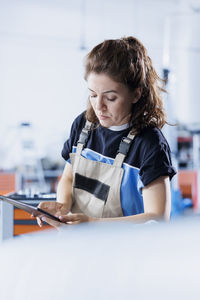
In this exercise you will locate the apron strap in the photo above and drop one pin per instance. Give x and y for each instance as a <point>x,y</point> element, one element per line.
<point>123,149</point>
<point>84,137</point>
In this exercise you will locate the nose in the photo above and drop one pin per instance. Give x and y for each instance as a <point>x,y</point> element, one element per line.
<point>100,105</point>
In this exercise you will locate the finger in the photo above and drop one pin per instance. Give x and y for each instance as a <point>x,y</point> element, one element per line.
<point>50,222</point>
<point>70,223</point>
<point>70,218</point>
<point>73,223</point>
<point>39,221</point>
<point>46,204</point>
<point>61,209</point>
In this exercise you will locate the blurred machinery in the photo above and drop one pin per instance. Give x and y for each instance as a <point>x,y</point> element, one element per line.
<point>31,180</point>
<point>30,168</point>
<point>15,221</point>
<point>8,184</point>
<point>189,164</point>
<point>22,221</point>
<point>181,62</point>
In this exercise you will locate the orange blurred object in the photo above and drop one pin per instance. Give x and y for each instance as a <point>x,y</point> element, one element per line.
<point>7,183</point>
<point>188,184</point>
<point>23,229</point>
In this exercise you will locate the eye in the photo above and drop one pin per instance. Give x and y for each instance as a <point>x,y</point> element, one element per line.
<point>93,96</point>
<point>111,99</point>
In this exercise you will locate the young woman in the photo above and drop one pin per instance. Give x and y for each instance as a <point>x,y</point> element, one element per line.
<point>118,164</point>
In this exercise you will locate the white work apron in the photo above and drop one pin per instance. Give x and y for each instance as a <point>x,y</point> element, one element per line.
<point>96,185</point>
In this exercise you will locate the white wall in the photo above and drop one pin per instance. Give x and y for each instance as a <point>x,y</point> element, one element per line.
<point>41,70</point>
<point>185,65</point>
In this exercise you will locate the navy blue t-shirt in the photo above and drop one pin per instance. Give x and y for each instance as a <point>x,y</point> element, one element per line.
<point>148,158</point>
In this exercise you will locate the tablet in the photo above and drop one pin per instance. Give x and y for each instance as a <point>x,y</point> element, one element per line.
<point>36,211</point>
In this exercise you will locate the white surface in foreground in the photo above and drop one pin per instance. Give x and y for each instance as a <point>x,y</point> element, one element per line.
<point>104,261</point>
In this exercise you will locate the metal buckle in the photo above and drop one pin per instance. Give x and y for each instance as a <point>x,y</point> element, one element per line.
<point>124,145</point>
<point>84,136</point>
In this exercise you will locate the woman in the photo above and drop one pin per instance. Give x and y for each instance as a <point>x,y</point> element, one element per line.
<point>118,164</point>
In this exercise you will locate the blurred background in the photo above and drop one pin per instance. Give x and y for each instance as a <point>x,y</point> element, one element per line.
<point>42,48</point>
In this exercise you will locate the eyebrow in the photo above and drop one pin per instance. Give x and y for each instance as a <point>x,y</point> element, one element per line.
<point>110,91</point>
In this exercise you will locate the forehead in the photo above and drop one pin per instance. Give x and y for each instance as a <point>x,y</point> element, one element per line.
<point>102,82</point>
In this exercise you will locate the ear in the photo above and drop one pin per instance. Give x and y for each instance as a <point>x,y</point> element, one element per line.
<point>137,95</point>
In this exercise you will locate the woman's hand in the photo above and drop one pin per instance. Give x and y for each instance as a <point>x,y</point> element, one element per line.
<point>74,218</point>
<point>55,208</point>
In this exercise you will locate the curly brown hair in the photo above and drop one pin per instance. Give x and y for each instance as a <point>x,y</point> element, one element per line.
<point>126,61</point>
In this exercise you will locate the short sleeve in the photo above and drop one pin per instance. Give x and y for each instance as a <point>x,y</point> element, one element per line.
<point>75,131</point>
<point>157,163</point>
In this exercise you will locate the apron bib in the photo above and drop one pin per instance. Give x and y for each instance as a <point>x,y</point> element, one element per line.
<point>96,185</point>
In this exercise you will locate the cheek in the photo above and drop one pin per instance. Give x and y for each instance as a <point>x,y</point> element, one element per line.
<point>92,102</point>
<point>122,110</point>
<point>117,109</point>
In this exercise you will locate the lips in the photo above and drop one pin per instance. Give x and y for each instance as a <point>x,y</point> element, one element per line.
<point>102,117</point>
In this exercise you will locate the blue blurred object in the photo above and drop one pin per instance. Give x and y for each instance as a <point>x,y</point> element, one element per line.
<point>179,204</point>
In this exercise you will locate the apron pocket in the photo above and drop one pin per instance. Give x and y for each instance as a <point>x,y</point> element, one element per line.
<point>93,186</point>
<point>87,203</point>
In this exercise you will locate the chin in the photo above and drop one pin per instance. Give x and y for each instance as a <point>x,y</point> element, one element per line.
<point>104,123</point>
